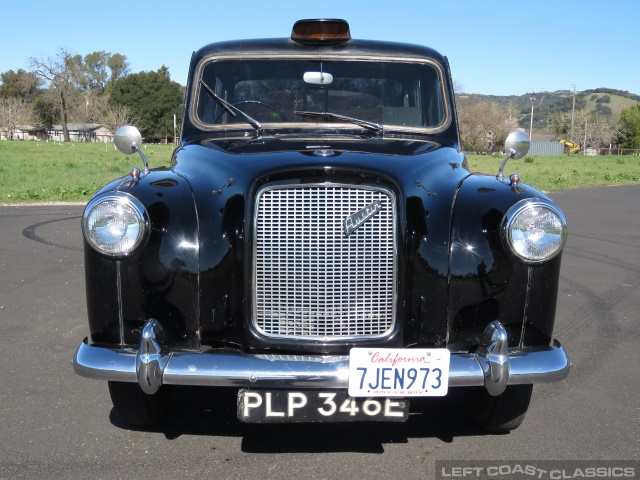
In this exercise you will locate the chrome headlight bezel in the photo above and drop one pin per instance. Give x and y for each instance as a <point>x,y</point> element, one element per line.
<point>118,205</point>
<point>552,240</point>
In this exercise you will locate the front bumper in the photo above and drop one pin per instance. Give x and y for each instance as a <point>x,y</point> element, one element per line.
<point>491,366</point>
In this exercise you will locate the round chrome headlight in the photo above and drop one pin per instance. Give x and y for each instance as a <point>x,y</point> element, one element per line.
<point>115,224</point>
<point>535,230</point>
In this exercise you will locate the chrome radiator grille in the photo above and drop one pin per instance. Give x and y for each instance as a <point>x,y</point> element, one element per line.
<point>312,280</point>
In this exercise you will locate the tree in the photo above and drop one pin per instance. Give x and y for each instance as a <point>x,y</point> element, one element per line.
<point>89,106</point>
<point>600,130</point>
<point>153,98</point>
<point>596,130</point>
<point>603,110</point>
<point>629,128</point>
<point>117,115</point>
<point>25,86</point>
<point>458,87</point>
<point>95,70</point>
<point>61,72</point>
<point>119,67</point>
<point>98,69</point>
<point>45,111</point>
<point>20,84</point>
<point>14,112</point>
<point>484,125</point>
<point>79,85</point>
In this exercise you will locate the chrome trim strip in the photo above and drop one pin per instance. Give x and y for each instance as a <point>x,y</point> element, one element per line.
<point>240,370</point>
<point>525,310</point>
<point>120,307</point>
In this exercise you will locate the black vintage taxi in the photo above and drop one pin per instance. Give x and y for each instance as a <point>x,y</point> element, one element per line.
<point>320,245</point>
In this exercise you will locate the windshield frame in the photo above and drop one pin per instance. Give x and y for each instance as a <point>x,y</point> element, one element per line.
<point>273,127</point>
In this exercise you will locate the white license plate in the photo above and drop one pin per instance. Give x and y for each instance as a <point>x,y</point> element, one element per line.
<point>398,372</point>
<point>279,406</point>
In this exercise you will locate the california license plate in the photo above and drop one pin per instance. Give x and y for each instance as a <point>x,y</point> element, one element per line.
<point>279,406</point>
<point>396,372</point>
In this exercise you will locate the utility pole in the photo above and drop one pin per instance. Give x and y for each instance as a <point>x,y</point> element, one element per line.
<point>533,101</point>
<point>573,111</point>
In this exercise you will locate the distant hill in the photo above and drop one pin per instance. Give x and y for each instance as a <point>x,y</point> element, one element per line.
<point>606,101</point>
<point>609,103</point>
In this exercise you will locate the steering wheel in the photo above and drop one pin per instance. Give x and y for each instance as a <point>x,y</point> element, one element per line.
<point>257,102</point>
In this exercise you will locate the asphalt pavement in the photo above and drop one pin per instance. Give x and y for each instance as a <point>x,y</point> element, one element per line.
<point>56,425</point>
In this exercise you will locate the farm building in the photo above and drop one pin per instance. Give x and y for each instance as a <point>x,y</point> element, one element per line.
<point>82,132</point>
<point>78,132</point>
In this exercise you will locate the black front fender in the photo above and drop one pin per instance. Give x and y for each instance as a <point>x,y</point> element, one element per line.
<point>159,280</point>
<point>486,280</point>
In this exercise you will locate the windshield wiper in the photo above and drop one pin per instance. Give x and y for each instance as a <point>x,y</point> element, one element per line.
<point>376,127</point>
<point>235,111</point>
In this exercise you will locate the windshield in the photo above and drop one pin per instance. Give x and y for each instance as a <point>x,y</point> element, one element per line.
<point>391,94</point>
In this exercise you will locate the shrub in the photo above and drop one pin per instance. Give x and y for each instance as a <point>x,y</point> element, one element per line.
<point>603,110</point>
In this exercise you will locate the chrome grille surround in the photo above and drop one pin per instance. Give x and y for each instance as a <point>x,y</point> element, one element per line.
<point>313,282</point>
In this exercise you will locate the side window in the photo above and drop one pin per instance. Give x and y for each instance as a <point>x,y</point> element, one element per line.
<point>435,104</point>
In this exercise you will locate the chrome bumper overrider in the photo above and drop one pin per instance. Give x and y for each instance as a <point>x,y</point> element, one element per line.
<point>151,366</point>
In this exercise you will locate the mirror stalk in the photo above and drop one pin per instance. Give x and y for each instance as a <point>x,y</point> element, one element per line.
<point>517,145</point>
<point>500,175</point>
<point>145,169</point>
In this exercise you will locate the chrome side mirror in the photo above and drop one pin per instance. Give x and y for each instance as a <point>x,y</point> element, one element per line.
<point>128,140</point>
<point>516,146</point>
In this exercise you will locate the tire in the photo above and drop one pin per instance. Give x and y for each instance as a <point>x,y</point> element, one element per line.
<point>499,414</point>
<point>134,407</point>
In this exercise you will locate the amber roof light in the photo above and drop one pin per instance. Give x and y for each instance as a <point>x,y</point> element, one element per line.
<point>321,31</point>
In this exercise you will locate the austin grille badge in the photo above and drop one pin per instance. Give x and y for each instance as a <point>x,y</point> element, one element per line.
<point>353,222</point>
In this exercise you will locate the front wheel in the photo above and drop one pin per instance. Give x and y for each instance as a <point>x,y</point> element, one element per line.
<point>502,413</point>
<point>136,407</point>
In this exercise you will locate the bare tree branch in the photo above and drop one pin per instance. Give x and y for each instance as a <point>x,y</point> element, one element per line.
<point>116,116</point>
<point>59,72</point>
<point>14,113</point>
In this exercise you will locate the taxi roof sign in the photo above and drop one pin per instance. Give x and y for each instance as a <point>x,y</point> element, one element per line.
<point>321,31</point>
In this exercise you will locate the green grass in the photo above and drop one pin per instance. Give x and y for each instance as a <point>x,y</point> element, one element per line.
<point>48,172</point>
<point>561,173</point>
